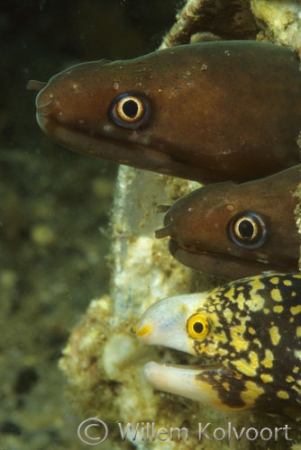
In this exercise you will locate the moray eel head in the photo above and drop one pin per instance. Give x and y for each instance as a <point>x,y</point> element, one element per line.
<point>246,335</point>
<point>206,112</point>
<point>235,230</point>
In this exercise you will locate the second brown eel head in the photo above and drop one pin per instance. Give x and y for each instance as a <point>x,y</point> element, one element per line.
<point>235,230</point>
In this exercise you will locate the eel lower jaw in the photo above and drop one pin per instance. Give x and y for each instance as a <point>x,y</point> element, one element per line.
<point>217,264</point>
<point>114,150</point>
<point>193,382</point>
<point>179,380</point>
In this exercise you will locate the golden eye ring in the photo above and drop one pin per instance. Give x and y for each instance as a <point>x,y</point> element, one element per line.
<point>198,326</point>
<point>248,230</point>
<point>129,110</point>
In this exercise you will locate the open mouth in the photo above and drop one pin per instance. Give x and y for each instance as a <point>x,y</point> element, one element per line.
<point>185,370</point>
<point>181,373</point>
<point>182,380</point>
<point>188,378</point>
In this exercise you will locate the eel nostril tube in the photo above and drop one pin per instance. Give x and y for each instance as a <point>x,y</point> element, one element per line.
<point>162,208</point>
<point>34,85</point>
<point>163,232</point>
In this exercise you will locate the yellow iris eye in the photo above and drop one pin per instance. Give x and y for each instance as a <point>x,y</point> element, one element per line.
<point>198,326</point>
<point>247,230</point>
<point>130,110</point>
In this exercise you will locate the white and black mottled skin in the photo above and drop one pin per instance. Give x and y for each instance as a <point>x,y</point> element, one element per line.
<point>249,331</point>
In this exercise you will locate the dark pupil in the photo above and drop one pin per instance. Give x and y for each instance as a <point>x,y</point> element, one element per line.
<point>198,327</point>
<point>130,109</point>
<point>246,229</point>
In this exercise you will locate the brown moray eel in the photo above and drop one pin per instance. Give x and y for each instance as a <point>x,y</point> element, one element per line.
<point>235,230</point>
<point>210,112</point>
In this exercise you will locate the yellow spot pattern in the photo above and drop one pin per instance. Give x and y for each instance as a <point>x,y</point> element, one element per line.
<point>257,341</point>
<point>268,360</point>
<point>252,392</point>
<point>290,379</point>
<point>275,280</point>
<point>276,295</point>
<point>274,334</point>
<point>228,315</point>
<point>298,354</point>
<point>241,301</point>
<point>282,394</point>
<point>238,340</point>
<point>256,303</point>
<point>226,386</point>
<point>230,293</point>
<point>257,284</point>
<point>278,309</point>
<point>295,310</point>
<point>209,394</point>
<point>266,378</point>
<point>221,337</point>
<point>246,367</point>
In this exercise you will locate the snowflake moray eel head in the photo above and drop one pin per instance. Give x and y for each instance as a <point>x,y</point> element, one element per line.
<point>248,332</point>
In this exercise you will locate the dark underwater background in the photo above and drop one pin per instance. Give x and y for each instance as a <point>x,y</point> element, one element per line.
<point>54,205</point>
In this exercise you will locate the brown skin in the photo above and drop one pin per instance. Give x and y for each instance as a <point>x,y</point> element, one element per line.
<point>211,112</point>
<point>203,234</point>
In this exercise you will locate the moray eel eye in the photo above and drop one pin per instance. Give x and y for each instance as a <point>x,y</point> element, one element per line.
<point>247,230</point>
<point>129,110</point>
<point>198,326</point>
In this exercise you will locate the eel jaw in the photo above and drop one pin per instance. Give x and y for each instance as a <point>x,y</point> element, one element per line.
<point>179,380</point>
<point>105,144</point>
<point>193,382</point>
<point>222,265</point>
<point>218,264</point>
